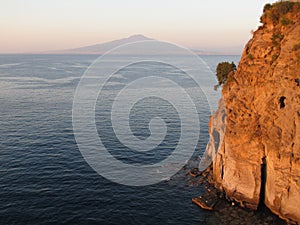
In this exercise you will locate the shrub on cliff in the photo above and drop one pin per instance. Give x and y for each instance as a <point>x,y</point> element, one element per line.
<point>286,22</point>
<point>267,7</point>
<point>277,10</point>
<point>296,47</point>
<point>277,38</point>
<point>223,70</point>
<point>284,7</point>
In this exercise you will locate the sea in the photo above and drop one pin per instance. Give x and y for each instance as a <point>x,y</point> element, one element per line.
<point>46,174</point>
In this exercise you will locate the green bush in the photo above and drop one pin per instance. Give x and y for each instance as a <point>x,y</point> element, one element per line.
<point>262,19</point>
<point>250,56</point>
<point>267,7</point>
<point>285,22</point>
<point>284,7</point>
<point>277,38</point>
<point>223,70</point>
<point>274,16</point>
<point>298,58</point>
<point>296,47</point>
<point>274,57</point>
<point>279,9</point>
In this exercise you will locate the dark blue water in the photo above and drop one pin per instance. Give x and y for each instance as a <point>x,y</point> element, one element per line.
<point>43,177</point>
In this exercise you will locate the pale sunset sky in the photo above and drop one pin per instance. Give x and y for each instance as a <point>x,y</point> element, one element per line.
<point>43,25</point>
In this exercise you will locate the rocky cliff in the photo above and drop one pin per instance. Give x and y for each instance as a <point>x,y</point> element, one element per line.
<point>258,159</point>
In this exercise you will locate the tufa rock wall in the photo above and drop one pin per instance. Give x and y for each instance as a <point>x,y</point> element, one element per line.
<point>258,159</point>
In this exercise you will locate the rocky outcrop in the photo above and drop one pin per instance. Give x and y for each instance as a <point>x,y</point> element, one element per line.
<point>216,135</point>
<point>258,160</point>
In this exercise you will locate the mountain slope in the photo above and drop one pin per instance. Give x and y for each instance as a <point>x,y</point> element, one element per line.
<point>104,47</point>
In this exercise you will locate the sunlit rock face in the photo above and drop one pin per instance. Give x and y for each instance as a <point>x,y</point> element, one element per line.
<point>258,160</point>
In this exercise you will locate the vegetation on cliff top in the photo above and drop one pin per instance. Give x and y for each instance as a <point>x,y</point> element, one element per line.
<point>278,12</point>
<point>223,71</point>
<point>279,17</point>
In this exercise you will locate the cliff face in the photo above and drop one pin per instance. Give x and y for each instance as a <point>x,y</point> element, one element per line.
<point>258,160</point>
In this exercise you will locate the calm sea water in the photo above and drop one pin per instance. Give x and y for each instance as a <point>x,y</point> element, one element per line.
<point>44,179</point>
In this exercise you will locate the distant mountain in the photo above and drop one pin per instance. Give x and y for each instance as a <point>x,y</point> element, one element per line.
<point>104,47</point>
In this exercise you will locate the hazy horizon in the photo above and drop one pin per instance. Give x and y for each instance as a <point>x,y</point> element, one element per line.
<point>36,26</point>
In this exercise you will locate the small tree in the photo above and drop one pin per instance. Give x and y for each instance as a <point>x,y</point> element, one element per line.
<point>223,70</point>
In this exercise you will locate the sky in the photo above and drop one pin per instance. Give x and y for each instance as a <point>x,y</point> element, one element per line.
<point>45,25</point>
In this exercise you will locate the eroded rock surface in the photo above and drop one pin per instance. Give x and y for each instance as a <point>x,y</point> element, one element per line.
<point>258,160</point>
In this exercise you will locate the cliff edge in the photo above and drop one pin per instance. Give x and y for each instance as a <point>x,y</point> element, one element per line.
<point>258,159</point>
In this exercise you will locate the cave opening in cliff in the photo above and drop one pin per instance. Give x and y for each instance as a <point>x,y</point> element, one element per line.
<point>263,182</point>
<point>281,102</point>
